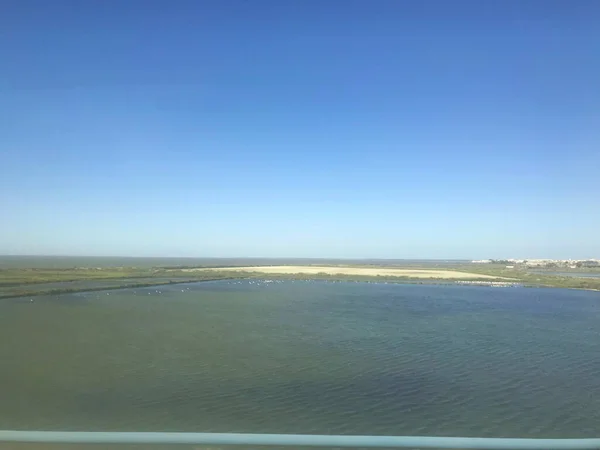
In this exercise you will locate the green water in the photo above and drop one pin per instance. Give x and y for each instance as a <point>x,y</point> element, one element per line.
<point>305,357</point>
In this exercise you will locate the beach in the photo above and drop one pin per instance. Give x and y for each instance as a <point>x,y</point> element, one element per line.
<point>358,271</point>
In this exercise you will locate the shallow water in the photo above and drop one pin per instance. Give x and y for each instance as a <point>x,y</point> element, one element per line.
<point>305,357</point>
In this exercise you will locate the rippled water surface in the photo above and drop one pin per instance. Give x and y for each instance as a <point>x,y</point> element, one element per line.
<point>305,357</point>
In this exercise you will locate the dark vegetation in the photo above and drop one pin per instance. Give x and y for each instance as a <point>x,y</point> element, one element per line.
<point>35,282</point>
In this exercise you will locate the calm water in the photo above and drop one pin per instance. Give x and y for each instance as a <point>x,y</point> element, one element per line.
<point>305,357</point>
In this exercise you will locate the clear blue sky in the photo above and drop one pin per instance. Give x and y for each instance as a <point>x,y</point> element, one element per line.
<point>390,129</point>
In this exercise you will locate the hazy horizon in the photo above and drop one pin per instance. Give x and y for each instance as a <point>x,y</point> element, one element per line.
<point>339,129</point>
<point>279,258</point>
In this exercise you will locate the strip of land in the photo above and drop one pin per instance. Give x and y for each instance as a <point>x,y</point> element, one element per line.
<point>26,282</point>
<point>360,271</point>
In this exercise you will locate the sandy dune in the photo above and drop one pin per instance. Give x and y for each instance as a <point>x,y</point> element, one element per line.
<point>364,271</point>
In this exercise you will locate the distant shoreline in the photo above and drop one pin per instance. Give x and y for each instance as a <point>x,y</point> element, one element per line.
<point>30,282</point>
<point>430,281</point>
